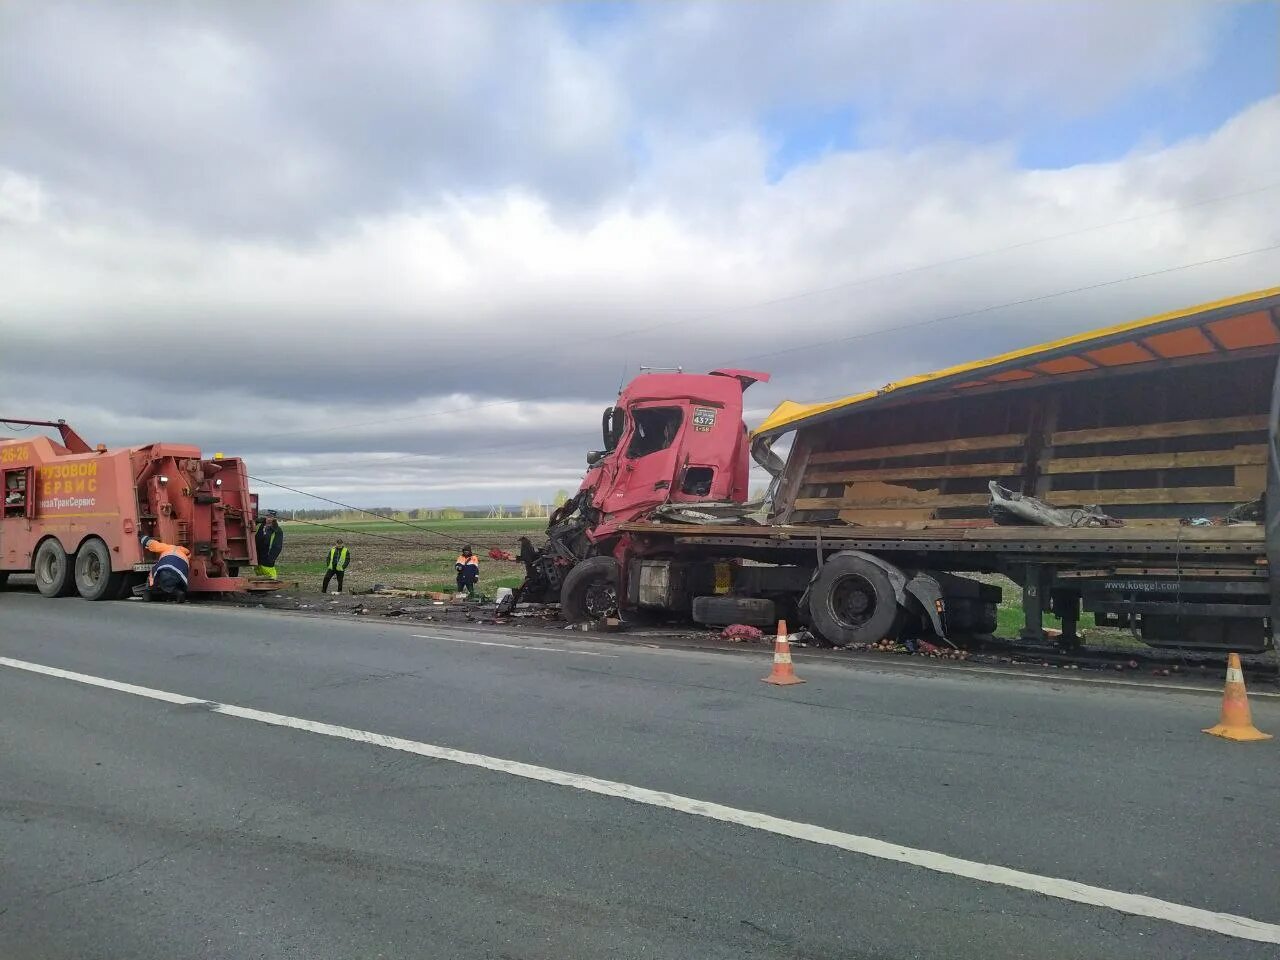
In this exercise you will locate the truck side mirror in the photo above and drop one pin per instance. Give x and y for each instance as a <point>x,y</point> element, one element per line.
<point>594,457</point>
<point>611,427</point>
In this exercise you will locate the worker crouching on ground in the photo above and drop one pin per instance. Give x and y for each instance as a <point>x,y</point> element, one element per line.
<point>339,558</point>
<point>468,567</point>
<point>170,574</point>
<point>269,539</point>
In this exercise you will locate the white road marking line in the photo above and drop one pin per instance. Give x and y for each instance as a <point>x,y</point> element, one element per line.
<point>516,646</point>
<point>1231,925</point>
<point>101,682</point>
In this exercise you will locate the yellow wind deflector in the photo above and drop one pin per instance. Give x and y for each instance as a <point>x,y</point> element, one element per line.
<point>1246,322</point>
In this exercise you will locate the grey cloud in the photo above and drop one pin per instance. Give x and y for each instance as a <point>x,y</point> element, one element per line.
<point>997,62</point>
<point>416,348</point>
<point>288,118</point>
<point>292,118</point>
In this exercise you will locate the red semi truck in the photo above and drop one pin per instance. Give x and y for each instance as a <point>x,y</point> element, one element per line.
<point>73,513</point>
<point>1163,431</point>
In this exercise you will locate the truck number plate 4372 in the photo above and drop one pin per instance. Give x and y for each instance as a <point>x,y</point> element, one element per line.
<point>704,418</point>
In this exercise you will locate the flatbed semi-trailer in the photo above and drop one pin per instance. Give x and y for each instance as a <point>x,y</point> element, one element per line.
<point>1157,437</point>
<point>1210,573</point>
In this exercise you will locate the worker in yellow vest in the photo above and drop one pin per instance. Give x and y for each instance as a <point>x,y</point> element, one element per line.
<point>339,558</point>
<point>269,539</point>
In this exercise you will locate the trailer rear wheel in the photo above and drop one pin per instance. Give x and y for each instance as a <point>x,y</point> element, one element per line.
<point>94,579</point>
<point>590,590</point>
<point>852,601</point>
<point>54,577</point>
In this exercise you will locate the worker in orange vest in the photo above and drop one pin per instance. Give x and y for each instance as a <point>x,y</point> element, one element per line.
<point>170,574</point>
<point>468,567</point>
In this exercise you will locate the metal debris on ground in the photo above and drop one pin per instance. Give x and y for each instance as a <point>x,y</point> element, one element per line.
<point>381,590</point>
<point>1245,514</point>
<point>919,648</point>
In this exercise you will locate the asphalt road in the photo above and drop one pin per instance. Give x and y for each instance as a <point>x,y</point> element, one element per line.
<point>132,826</point>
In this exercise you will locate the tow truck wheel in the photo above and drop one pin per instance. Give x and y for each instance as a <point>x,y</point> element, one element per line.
<point>590,590</point>
<point>94,579</point>
<point>852,601</point>
<point>53,570</point>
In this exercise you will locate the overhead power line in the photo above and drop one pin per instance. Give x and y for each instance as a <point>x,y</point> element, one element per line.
<point>371,513</point>
<point>990,308</point>
<point>359,533</point>
<point>787,298</point>
<point>858,336</point>
<point>1008,303</point>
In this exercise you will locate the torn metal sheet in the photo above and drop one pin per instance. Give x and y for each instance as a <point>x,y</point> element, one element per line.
<point>1014,509</point>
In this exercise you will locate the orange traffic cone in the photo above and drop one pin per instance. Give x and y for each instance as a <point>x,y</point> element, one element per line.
<point>783,673</point>
<point>1236,722</point>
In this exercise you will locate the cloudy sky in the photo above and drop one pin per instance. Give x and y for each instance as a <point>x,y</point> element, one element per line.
<point>403,253</point>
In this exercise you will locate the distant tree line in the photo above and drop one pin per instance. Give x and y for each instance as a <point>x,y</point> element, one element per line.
<point>531,508</point>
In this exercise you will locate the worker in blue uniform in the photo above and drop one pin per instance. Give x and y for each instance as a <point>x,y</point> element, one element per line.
<point>170,575</point>
<point>468,569</point>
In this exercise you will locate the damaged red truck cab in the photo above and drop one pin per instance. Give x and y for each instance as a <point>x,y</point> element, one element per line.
<point>673,443</point>
<point>671,438</point>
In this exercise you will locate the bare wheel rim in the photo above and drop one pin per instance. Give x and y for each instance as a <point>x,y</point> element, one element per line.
<point>601,599</point>
<point>853,600</point>
<point>48,568</point>
<point>92,568</point>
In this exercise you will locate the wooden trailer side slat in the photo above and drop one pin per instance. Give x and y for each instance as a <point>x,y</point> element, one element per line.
<point>960,444</point>
<point>1238,456</point>
<point>1066,498</point>
<point>1155,431</point>
<point>941,471</point>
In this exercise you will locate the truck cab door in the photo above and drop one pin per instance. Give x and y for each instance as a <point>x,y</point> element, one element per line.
<point>646,466</point>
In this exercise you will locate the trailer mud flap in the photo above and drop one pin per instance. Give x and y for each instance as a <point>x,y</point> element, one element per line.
<point>929,592</point>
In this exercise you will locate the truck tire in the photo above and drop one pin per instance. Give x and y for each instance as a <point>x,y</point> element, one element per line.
<point>94,579</point>
<point>852,601</point>
<point>590,591</point>
<point>726,611</point>
<point>52,567</point>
